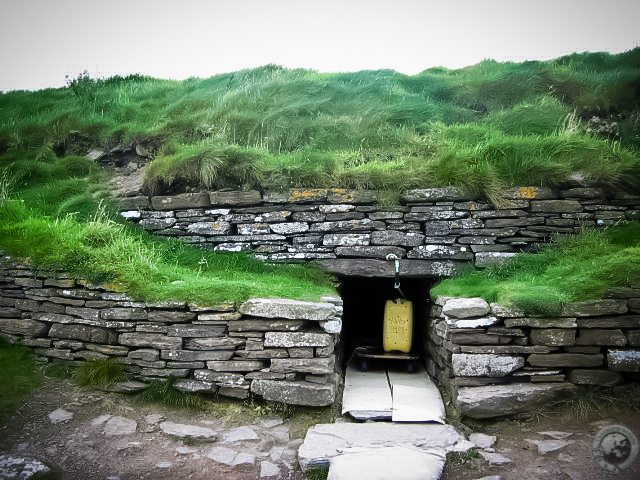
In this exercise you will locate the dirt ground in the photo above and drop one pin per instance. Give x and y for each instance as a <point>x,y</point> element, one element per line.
<point>83,448</point>
<point>88,446</point>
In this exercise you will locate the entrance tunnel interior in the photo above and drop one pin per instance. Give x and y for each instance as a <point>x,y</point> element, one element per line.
<point>364,305</point>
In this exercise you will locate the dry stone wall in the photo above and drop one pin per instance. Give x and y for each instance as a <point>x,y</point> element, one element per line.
<point>435,231</point>
<point>497,361</point>
<point>280,349</point>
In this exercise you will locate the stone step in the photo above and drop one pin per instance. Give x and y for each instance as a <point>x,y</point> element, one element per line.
<point>407,448</point>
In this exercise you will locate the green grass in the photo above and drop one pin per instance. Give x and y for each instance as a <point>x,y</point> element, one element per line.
<point>574,268</point>
<point>104,250</point>
<point>100,372</point>
<point>164,393</point>
<point>483,127</point>
<point>19,376</point>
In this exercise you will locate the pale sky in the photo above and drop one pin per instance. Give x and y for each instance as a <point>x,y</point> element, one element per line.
<point>42,41</point>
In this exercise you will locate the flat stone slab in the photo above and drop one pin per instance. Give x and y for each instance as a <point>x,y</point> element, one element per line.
<point>188,431</point>
<point>325,442</point>
<point>398,463</point>
<point>375,403</point>
<point>60,416</point>
<point>119,426</point>
<point>499,400</point>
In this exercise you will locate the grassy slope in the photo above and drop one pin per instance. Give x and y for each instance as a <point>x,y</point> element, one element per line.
<point>484,126</point>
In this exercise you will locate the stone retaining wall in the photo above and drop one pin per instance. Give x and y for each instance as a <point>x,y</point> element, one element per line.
<point>494,360</point>
<point>435,231</point>
<point>280,349</point>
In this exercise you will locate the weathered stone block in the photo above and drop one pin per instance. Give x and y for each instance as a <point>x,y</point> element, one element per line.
<point>553,336</point>
<point>237,365</point>
<point>510,399</point>
<point>440,252</point>
<point>144,354</point>
<point>344,195</point>
<point>209,228</point>
<point>594,308</point>
<point>180,201</point>
<point>441,194</point>
<point>556,206</point>
<point>295,393</point>
<point>485,365</point>
<point>623,360</point>
<point>465,307</point>
<point>157,223</point>
<point>394,237</point>
<point>262,354</point>
<point>170,316</point>
<point>153,340</point>
<point>17,326</point>
<point>598,336</point>
<point>541,322</point>
<point>254,325</point>
<point>620,321</point>
<point>165,372</point>
<point>565,360</point>
<point>472,322</point>
<point>84,333</point>
<point>196,355</point>
<point>196,330</point>
<point>235,198</point>
<point>297,339</point>
<point>290,309</point>
<point>220,343</point>
<point>289,228</point>
<point>241,392</point>
<point>370,251</point>
<point>300,352</point>
<point>303,365</point>
<point>346,239</point>
<point>593,376</point>
<point>123,314</point>
<point>209,376</point>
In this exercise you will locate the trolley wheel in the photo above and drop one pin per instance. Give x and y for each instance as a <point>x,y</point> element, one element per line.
<point>364,365</point>
<point>410,366</point>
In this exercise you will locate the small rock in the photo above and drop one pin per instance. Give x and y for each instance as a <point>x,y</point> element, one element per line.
<point>60,416</point>
<point>546,446</point>
<point>188,431</point>
<point>240,434</point>
<point>186,450</point>
<point>556,435</point>
<point>494,458</point>
<point>164,465</point>
<point>268,469</point>
<point>481,440</point>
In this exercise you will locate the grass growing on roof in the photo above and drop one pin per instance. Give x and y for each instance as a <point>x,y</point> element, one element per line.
<point>575,268</point>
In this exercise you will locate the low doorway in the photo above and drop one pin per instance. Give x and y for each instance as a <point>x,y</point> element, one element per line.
<point>363,316</point>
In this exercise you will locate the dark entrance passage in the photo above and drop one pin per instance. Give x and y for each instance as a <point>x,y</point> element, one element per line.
<point>364,301</point>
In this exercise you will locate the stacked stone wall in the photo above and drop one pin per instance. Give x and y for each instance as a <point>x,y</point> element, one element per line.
<point>482,353</point>
<point>435,231</point>
<point>280,349</point>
